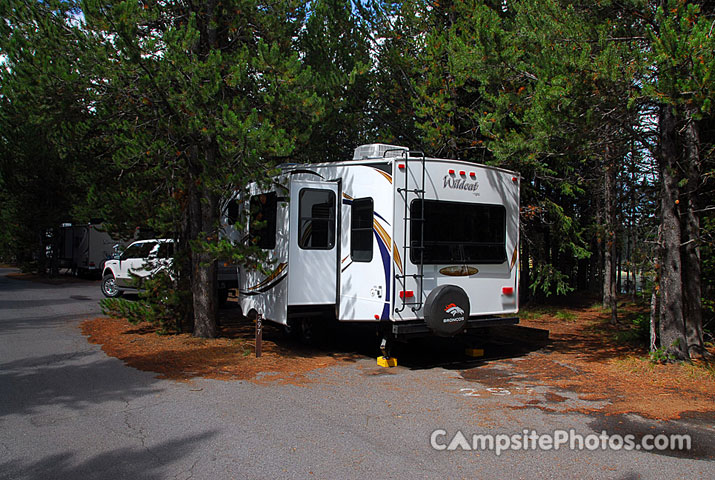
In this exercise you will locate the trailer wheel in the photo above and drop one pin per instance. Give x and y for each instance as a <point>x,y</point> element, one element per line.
<point>222,297</point>
<point>109,287</point>
<point>292,329</point>
<point>310,330</point>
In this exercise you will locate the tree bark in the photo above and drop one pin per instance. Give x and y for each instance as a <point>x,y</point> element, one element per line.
<point>692,288</point>
<point>525,272</point>
<point>609,244</point>
<point>672,325</point>
<point>203,218</point>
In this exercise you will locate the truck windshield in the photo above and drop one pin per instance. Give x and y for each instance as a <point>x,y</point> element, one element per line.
<point>457,233</point>
<point>138,250</point>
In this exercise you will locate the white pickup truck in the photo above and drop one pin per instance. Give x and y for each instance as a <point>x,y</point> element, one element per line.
<point>141,259</point>
<point>144,258</point>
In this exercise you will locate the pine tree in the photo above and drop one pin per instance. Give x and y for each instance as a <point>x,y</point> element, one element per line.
<point>202,98</point>
<point>48,138</point>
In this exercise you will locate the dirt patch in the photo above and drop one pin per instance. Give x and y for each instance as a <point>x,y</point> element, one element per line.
<point>183,357</point>
<point>584,358</point>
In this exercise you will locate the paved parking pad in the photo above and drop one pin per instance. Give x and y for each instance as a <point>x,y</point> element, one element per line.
<point>69,411</point>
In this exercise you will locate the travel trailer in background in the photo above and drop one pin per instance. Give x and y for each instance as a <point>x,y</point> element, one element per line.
<point>84,248</point>
<point>413,245</point>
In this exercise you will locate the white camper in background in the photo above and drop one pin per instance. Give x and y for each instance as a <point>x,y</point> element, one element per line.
<point>85,248</point>
<point>414,245</point>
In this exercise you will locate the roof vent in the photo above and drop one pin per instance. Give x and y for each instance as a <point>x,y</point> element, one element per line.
<point>379,150</point>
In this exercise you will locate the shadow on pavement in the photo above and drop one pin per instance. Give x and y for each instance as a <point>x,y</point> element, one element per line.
<point>150,462</point>
<point>701,443</point>
<point>74,381</point>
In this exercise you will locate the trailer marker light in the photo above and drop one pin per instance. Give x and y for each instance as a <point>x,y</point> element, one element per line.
<point>401,166</point>
<point>472,174</point>
<point>507,290</point>
<point>407,294</point>
<point>377,317</point>
<point>451,172</point>
<point>514,179</point>
<point>462,172</point>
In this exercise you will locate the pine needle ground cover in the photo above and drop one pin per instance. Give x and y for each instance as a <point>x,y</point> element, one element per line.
<point>583,361</point>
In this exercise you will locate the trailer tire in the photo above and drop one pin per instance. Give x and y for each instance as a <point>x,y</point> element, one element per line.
<point>109,287</point>
<point>291,329</point>
<point>311,331</point>
<point>222,297</point>
<point>447,310</point>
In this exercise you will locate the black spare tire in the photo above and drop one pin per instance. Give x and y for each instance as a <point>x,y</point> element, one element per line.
<point>447,310</point>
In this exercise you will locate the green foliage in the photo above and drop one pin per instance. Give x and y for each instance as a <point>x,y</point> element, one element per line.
<point>547,280</point>
<point>160,303</point>
<point>566,316</point>
<point>47,135</point>
<point>660,355</point>
<point>638,332</point>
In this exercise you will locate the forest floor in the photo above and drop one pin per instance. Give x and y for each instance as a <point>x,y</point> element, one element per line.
<point>585,355</point>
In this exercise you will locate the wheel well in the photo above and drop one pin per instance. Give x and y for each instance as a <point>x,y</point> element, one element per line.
<point>107,271</point>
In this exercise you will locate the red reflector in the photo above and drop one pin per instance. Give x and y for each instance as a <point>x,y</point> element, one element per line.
<point>407,294</point>
<point>462,172</point>
<point>451,172</point>
<point>401,166</point>
<point>377,317</point>
<point>507,290</point>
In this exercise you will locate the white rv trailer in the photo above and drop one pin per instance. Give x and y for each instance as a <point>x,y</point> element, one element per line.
<point>414,245</point>
<point>84,248</point>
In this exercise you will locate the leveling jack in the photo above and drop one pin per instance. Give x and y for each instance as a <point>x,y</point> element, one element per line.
<point>386,360</point>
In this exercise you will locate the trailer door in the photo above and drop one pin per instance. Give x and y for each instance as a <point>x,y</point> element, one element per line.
<point>313,250</point>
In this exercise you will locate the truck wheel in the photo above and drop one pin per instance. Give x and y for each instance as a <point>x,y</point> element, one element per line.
<point>109,287</point>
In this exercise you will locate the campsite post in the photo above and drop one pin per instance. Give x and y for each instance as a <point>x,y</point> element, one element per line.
<point>259,335</point>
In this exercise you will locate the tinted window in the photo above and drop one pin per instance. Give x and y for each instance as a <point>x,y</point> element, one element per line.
<point>316,218</point>
<point>232,212</point>
<point>361,218</point>
<point>262,230</point>
<point>458,232</point>
<point>138,250</point>
<point>166,250</point>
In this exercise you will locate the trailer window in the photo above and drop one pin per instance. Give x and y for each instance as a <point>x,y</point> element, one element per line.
<point>460,233</point>
<point>262,229</point>
<point>361,215</point>
<point>316,219</point>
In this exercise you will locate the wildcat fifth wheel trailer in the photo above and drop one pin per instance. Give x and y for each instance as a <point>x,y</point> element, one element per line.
<point>413,245</point>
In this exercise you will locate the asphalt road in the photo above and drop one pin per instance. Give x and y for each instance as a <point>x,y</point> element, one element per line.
<point>67,411</point>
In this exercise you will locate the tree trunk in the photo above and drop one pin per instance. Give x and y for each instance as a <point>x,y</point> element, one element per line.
<point>597,264</point>
<point>525,272</point>
<point>205,207</point>
<point>672,326</point>
<point>692,289</point>
<point>203,219</point>
<point>609,244</point>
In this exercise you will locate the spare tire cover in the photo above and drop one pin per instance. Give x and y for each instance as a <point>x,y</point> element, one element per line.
<point>447,310</point>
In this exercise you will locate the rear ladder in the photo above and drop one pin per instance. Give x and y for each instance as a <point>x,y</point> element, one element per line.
<point>401,278</point>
